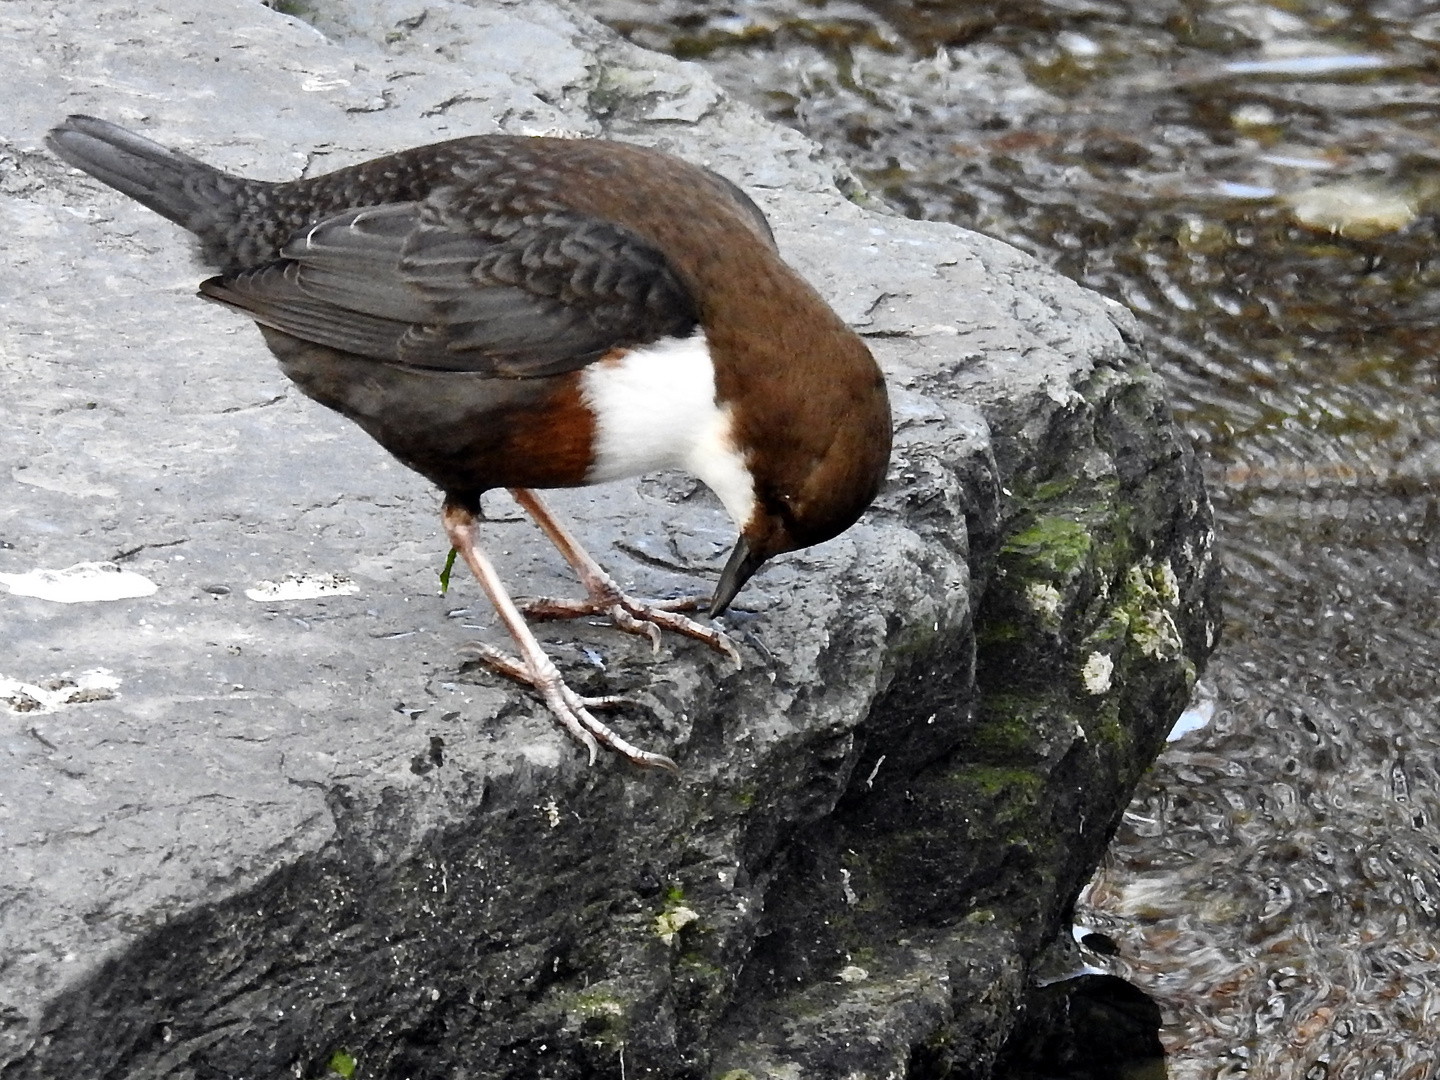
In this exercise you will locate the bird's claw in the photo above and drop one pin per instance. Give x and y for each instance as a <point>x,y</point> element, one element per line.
<point>632,625</point>
<point>572,710</point>
<point>644,618</point>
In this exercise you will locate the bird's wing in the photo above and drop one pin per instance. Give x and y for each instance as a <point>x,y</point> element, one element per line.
<point>511,296</point>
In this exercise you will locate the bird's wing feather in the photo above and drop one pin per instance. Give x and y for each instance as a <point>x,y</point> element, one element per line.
<point>515,296</point>
<point>272,295</point>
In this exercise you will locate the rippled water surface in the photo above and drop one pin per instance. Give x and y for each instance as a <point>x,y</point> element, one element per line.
<point>1260,183</point>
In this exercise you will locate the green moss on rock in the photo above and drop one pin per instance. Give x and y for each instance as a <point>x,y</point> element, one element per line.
<point>1053,549</point>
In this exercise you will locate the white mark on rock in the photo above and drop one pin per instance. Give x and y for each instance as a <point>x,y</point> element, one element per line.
<point>1096,673</point>
<point>1044,599</point>
<point>303,587</point>
<point>321,81</point>
<point>83,583</point>
<point>50,694</point>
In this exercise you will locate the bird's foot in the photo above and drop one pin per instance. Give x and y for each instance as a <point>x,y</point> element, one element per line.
<point>572,710</point>
<point>534,667</point>
<point>642,617</point>
<point>645,618</point>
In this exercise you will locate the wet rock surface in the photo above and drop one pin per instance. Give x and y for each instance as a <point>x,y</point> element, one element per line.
<point>244,835</point>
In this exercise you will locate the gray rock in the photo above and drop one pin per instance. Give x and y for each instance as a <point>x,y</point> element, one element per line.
<point>240,837</point>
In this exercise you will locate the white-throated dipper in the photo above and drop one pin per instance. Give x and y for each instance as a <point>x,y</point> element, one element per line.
<point>504,311</point>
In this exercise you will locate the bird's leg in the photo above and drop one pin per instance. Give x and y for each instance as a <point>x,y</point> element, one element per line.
<point>534,666</point>
<point>644,617</point>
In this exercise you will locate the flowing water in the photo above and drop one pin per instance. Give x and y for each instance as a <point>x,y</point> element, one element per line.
<point>1260,183</point>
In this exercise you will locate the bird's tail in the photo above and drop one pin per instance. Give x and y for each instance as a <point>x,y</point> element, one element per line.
<point>188,192</point>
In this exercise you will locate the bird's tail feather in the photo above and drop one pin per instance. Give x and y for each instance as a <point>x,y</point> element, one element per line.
<point>188,192</point>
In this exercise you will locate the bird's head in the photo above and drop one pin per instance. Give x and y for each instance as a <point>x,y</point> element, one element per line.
<point>803,497</point>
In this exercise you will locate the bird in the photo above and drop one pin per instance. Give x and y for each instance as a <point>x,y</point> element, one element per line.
<point>528,313</point>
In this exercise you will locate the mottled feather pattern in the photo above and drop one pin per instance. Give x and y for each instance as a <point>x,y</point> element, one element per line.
<point>552,294</point>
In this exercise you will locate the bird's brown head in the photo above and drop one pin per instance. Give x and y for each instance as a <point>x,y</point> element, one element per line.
<point>806,402</point>
<point>815,475</point>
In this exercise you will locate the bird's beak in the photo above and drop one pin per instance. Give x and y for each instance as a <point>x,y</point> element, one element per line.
<point>742,563</point>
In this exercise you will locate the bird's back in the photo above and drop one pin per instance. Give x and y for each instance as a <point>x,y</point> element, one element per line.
<point>244,223</point>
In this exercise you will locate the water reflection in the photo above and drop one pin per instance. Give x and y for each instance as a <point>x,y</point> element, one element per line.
<point>1260,183</point>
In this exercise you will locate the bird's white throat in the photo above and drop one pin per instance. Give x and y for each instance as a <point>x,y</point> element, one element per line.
<point>655,408</point>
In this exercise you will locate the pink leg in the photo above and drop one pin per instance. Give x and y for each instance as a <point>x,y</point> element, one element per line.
<point>534,666</point>
<point>644,617</point>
